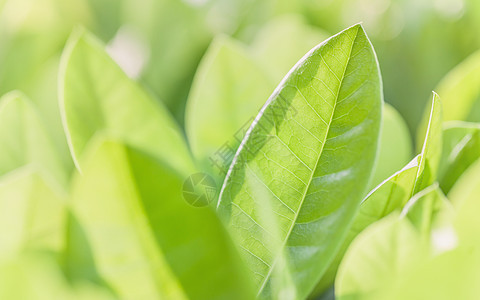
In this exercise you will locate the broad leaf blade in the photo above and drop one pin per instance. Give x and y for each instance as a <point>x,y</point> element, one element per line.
<point>301,37</point>
<point>97,97</point>
<point>32,213</point>
<point>310,153</point>
<point>380,255</point>
<point>461,147</point>
<point>35,275</point>
<point>460,88</point>
<point>146,240</point>
<point>466,186</point>
<point>228,91</point>
<point>24,141</point>
<point>429,210</point>
<point>391,195</point>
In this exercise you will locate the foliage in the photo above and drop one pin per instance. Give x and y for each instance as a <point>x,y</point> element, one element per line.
<point>309,186</point>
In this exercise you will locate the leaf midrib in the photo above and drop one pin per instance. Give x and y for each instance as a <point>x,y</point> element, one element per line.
<point>267,277</point>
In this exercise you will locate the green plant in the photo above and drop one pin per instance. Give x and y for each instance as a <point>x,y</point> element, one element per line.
<point>315,186</point>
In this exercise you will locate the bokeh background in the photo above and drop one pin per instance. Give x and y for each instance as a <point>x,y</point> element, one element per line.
<point>161,42</point>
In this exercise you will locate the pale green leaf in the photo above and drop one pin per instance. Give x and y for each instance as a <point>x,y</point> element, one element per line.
<point>465,196</point>
<point>24,141</point>
<point>466,185</point>
<point>429,143</point>
<point>282,41</point>
<point>37,276</point>
<point>393,249</point>
<point>228,91</point>
<point>391,195</point>
<point>147,242</point>
<point>451,275</point>
<point>32,213</point>
<point>460,89</point>
<point>178,34</point>
<point>395,146</point>
<point>96,97</point>
<point>308,156</point>
<point>461,147</point>
<point>429,210</point>
<point>384,252</point>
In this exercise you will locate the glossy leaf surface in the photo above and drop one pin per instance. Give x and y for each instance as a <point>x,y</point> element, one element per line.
<point>308,156</point>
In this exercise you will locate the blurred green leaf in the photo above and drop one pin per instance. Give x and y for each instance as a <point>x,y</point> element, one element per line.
<point>391,195</point>
<point>461,147</point>
<point>450,275</point>
<point>466,188</point>
<point>384,252</point>
<point>429,143</point>
<point>460,88</point>
<point>291,157</point>
<point>395,145</point>
<point>24,141</point>
<point>428,210</point>
<point>283,41</point>
<point>36,276</point>
<point>178,36</point>
<point>146,240</point>
<point>32,213</point>
<point>97,97</point>
<point>228,91</point>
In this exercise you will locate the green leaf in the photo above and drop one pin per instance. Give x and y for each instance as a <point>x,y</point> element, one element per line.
<point>391,195</point>
<point>460,89</point>
<point>393,249</point>
<point>429,210</point>
<point>382,253</point>
<point>308,156</point>
<point>228,91</point>
<point>282,41</point>
<point>178,35</point>
<point>24,141</point>
<point>461,147</point>
<point>465,194</point>
<point>450,275</point>
<point>146,240</point>
<point>395,146</point>
<point>32,213</point>
<point>429,142</point>
<point>96,97</point>
<point>36,276</point>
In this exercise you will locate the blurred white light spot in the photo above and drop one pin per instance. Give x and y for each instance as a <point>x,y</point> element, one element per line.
<point>444,239</point>
<point>129,50</point>
<point>450,9</point>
